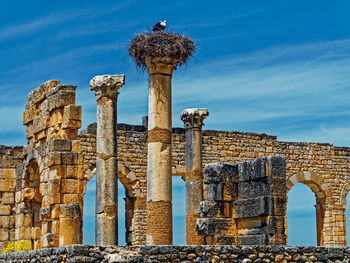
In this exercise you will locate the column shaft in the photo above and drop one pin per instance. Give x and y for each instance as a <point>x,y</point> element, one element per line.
<point>193,121</point>
<point>106,173</point>
<point>194,183</point>
<point>159,177</point>
<point>106,221</point>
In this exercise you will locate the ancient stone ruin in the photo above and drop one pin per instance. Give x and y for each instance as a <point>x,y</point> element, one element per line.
<point>240,199</point>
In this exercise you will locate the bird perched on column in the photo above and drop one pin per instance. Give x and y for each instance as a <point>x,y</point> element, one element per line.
<point>160,26</point>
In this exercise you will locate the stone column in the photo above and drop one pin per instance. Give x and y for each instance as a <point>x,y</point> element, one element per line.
<point>193,122</point>
<point>159,184</point>
<point>106,92</point>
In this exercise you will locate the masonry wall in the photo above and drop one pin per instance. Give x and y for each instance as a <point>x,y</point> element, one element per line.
<point>246,254</point>
<point>10,157</point>
<point>323,167</point>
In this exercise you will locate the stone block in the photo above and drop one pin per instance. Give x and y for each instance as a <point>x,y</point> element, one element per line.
<point>208,209</point>
<point>275,225</point>
<point>5,210</point>
<point>60,145</point>
<point>216,172</point>
<point>75,146</point>
<point>252,240</point>
<point>4,234</point>
<point>60,99</point>
<point>214,192</point>
<point>251,170</point>
<point>8,198</point>
<point>252,207</point>
<point>67,158</point>
<point>70,211</point>
<point>247,223</point>
<point>278,186</point>
<point>276,166</point>
<point>71,112</point>
<point>215,226</point>
<point>7,185</point>
<point>251,189</point>
<point>69,231</point>
<point>224,240</point>
<point>71,198</point>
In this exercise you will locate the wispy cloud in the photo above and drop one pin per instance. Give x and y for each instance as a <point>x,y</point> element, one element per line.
<point>304,82</point>
<point>56,18</point>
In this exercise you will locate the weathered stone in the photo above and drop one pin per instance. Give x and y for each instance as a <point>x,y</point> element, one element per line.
<point>208,209</point>
<point>250,170</point>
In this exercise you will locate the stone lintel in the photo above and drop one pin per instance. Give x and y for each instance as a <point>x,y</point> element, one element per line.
<point>193,118</point>
<point>107,85</point>
<point>161,65</point>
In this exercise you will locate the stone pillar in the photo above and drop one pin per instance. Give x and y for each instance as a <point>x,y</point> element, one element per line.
<point>159,176</point>
<point>193,122</point>
<point>106,92</point>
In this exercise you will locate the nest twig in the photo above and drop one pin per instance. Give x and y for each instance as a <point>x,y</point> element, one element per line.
<point>160,44</point>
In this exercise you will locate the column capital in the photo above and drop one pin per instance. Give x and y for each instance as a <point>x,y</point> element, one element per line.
<point>107,85</point>
<point>161,65</point>
<point>193,118</point>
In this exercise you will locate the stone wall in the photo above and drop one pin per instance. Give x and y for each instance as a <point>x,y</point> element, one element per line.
<point>323,167</point>
<point>245,203</point>
<point>10,157</point>
<point>185,254</point>
<point>45,185</point>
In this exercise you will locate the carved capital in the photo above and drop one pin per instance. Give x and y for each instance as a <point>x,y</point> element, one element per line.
<point>193,118</point>
<point>107,86</point>
<point>161,65</point>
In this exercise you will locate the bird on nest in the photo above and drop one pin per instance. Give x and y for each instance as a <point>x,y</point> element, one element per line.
<point>160,26</point>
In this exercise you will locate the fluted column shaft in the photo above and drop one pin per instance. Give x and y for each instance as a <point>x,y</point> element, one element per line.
<point>159,180</point>
<point>106,220</point>
<point>193,122</point>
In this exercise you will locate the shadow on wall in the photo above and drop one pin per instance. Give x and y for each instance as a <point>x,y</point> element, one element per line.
<point>301,216</point>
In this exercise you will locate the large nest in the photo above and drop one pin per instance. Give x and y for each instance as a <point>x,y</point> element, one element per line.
<point>160,44</point>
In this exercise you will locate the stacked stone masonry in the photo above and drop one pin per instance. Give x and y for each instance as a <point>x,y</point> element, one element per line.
<point>43,184</point>
<point>245,203</point>
<point>321,166</point>
<point>184,254</point>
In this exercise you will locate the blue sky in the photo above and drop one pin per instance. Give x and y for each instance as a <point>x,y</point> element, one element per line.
<point>279,67</point>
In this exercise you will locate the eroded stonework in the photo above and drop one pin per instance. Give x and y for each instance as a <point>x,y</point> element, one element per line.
<point>42,185</point>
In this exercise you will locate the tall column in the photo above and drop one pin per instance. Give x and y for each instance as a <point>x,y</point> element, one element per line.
<point>193,122</point>
<point>159,195</point>
<point>106,92</point>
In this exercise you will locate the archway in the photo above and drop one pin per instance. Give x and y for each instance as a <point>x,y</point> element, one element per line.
<point>345,205</point>
<point>128,191</point>
<point>32,201</point>
<point>316,184</point>
<point>301,216</point>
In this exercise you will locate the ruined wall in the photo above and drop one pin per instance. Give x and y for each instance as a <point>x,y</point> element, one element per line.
<point>10,157</point>
<point>245,203</point>
<point>50,182</point>
<point>247,254</point>
<point>323,167</point>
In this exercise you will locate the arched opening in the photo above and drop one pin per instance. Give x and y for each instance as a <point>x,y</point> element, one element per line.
<point>345,211</point>
<point>347,215</point>
<point>128,187</point>
<point>32,199</point>
<point>179,211</point>
<point>318,187</point>
<point>301,216</point>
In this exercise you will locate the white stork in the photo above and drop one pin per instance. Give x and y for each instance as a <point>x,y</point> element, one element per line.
<point>160,26</point>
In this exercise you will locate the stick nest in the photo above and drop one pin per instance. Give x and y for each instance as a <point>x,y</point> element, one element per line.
<point>160,44</point>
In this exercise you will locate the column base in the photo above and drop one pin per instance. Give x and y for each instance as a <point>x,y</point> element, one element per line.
<point>159,223</point>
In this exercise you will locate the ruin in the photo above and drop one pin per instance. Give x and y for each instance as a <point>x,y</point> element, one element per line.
<point>240,199</point>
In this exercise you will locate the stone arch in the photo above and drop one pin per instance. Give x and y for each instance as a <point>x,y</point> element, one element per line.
<point>343,194</point>
<point>32,201</point>
<point>319,188</point>
<point>133,194</point>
